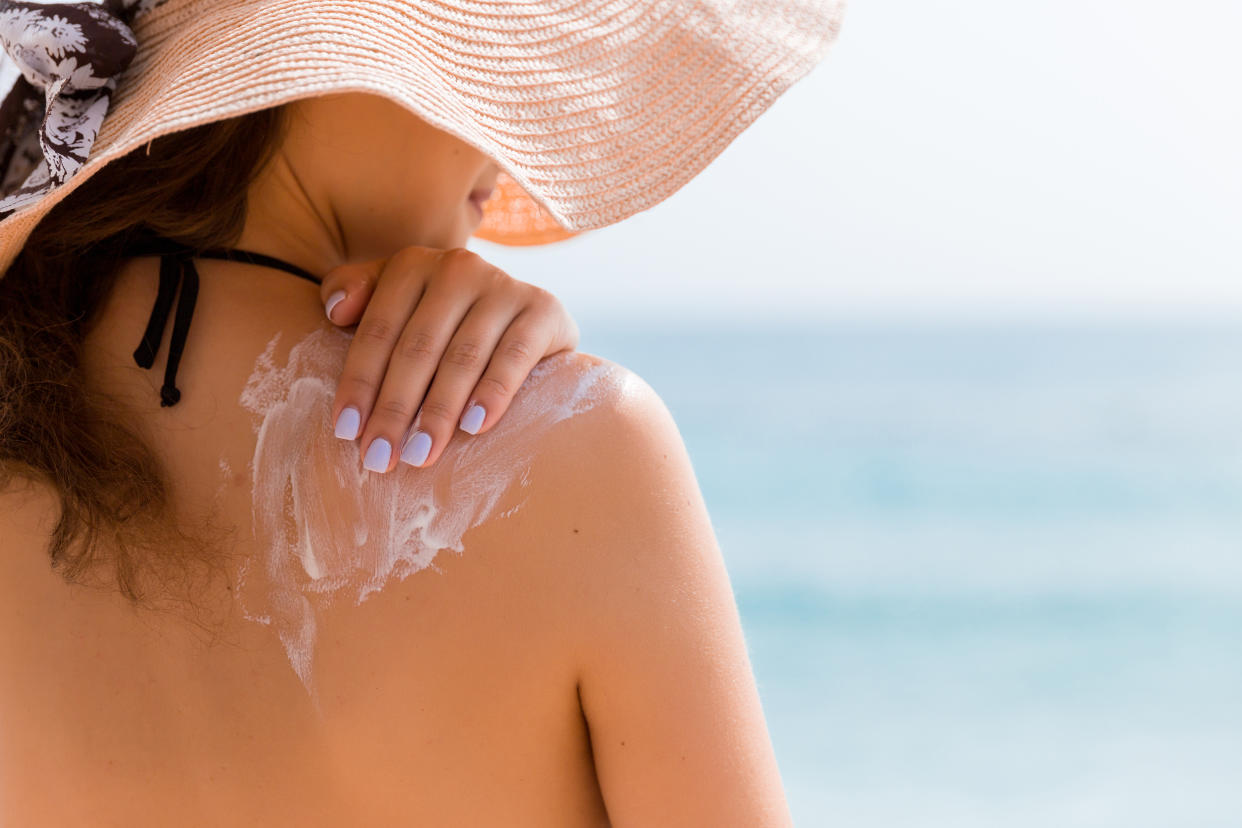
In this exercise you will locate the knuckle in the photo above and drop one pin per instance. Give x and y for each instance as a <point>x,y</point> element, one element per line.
<point>464,355</point>
<point>395,408</point>
<point>494,386</point>
<point>438,410</point>
<point>461,258</point>
<point>517,350</point>
<point>498,277</point>
<point>407,257</point>
<point>544,298</point>
<point>419,346</point>
<point>359,383</point>
<point>376,329</point>
<point>460,263</point>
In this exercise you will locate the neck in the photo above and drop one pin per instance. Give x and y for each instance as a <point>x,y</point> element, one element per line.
<point>287,219</point>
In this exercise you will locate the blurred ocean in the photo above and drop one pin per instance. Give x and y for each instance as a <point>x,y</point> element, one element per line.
<point>988,575</point>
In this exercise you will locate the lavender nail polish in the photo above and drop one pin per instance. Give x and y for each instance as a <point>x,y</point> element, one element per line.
<point>347,423</point>
<point>377,455</point>
<point>417,448</point>
<point>472,420</point>
<point>332,302</point>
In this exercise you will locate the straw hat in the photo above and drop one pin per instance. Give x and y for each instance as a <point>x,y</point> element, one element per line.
<point>594,109</point>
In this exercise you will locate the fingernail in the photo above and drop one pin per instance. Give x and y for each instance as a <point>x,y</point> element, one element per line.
<point>377,455</point>
<point>417,448</point>
<point>347,423</point>
<point>333,300</point>
<point>472,419</point>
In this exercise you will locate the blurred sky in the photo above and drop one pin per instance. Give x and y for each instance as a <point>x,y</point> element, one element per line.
<point>971,158</point>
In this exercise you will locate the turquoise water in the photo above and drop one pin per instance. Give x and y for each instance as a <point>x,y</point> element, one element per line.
<point>987,575</point>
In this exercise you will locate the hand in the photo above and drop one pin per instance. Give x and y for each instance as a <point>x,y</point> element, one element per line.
<point>447,313</point>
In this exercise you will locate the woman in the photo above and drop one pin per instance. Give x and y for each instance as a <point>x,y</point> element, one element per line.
<point>286,636</point>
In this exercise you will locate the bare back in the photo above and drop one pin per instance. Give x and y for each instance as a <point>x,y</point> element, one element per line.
<point>450,687</point>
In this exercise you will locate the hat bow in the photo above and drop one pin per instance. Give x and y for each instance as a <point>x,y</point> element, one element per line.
<point>68,56</point>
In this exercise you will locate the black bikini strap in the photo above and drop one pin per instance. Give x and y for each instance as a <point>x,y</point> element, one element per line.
<point>174,268</point>
<point>169,395</point>
<point>177,267</point>
<point>262,259</point>
<point>159,246</point>
<point>145,353</point>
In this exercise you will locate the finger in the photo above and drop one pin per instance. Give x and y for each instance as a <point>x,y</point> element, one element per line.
<point>369,352</point>
<point>543,328</point>
<point>465,359</point>
<point>347,289</point>
<point>567,337</point>
<point>420,354</point>
<point>544,305</point>
<point>527,340</point>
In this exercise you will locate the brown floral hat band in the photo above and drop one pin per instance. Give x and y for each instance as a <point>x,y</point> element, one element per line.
<point>57,76</point>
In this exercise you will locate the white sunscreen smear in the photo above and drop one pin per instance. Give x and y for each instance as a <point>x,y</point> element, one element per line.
<point>326,528</point>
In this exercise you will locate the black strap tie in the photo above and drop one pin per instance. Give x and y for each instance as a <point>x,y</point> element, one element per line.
<point>174,268</point>
<point>177,269</point>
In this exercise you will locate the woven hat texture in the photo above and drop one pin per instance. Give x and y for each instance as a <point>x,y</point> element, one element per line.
<point>594,110</point>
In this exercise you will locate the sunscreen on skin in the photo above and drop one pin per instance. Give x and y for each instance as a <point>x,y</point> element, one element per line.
<point>326,528</point>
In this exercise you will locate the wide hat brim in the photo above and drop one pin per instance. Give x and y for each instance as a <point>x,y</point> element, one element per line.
<point>593,110</point>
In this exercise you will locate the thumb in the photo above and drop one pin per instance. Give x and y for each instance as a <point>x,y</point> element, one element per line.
<point>346,289</point>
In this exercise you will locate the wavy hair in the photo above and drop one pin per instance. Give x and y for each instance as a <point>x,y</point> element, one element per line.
<point>115,499</point>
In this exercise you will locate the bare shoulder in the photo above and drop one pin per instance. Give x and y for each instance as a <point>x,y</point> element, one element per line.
<point>649,619</point>
<point>614,443</point>
<point>600,409</point>
<point>613,515</point>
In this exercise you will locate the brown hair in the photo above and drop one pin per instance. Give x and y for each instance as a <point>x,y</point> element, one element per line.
<point>189,186</point>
